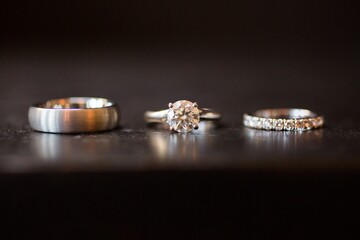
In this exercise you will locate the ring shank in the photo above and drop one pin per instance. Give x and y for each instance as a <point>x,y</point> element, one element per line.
<point>294,119</point>
<point>74,115</point>
<point>161,116</point>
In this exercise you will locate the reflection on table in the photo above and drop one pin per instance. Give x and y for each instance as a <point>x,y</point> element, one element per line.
<point>71,148</point>
<point>191,146</point>
<point>281,141</point>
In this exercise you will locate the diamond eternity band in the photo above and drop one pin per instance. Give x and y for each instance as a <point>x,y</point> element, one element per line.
<point>288,119</point>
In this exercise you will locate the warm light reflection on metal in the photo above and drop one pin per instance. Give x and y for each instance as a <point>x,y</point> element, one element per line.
<point>74,115</point>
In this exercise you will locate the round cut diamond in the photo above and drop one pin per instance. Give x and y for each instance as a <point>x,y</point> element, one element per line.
<point>257,122</point>
<point>247,120</point>
<point>289,124</point>
<point>253,122</point>
<point>278,124</point>
<point>183,116</point>
<point>267,124</point>
<point>307,124</point>
<point>299,125</point>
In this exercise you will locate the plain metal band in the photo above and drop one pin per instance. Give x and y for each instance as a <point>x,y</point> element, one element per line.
<point>292,119</point>
<point>88,115</point>
<point>161,116</point>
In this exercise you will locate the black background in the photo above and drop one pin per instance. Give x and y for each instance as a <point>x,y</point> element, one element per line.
<point>246,24</point>
<point>256,54</point>
<point>138,182</point>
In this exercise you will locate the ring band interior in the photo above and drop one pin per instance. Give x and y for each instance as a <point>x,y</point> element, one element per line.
<point>161,116</point>
<point>76,103</point>
<point>285,113</point>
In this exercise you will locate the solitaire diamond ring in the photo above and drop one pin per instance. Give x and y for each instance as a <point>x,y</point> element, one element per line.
<point>289,119</point>
<point>182,116</point>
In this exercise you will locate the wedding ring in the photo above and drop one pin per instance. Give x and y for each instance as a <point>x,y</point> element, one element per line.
<point>182,116</point>
<point>290,119</point>
<point>74,115</point>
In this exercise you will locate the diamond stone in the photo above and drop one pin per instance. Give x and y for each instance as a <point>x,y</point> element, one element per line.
<point>278,124</point>
<point>267,123</point>
<point>247,120</point>
<point>253,122</point>
<point>257,122</point>
<point>308,124</point>
<point>183,116</point>
<point>299,125</point>
<point>289,124</point>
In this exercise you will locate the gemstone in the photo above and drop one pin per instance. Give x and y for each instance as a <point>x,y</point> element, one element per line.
<point>258,123</point>
<point>307,123</point>
<point>247,120</point>
<point>253,122</point>
<point>289,124</point>
<point>278,124</point>
<point>183,116</point>
<point>299,125</point>
<point>267,123</point>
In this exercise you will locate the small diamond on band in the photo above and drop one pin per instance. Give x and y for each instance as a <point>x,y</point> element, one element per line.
<point>278,124</point>
<point>289,124</point>
<point>267,123</point>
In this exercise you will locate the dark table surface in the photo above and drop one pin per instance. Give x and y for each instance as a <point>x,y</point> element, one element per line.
<point>219,182</point>
<point>141,80</point>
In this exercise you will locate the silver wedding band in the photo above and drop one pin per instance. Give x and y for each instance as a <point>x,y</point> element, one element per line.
<point>74,115</point>
<point>288,119</point>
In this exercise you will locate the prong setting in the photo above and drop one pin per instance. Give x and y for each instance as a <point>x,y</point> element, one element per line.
<point>183,116</point>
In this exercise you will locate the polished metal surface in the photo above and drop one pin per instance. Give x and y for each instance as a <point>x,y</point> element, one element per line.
<point>74,115</point>
<point>161,116</point>
<point>286,113</point>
